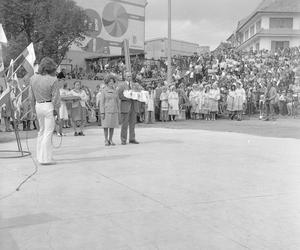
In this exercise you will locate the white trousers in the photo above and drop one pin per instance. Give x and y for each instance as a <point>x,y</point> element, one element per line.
<point>46,121</point>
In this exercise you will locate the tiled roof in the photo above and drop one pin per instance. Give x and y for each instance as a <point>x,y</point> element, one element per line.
<point>279,6</point>
<point>273,6</point>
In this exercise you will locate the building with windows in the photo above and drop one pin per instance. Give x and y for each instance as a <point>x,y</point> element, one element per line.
<point>158,48</point>
<point>275,24</point>
<point>110,22</point>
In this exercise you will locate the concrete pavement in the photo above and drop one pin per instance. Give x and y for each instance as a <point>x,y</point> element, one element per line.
<point>178,189</point>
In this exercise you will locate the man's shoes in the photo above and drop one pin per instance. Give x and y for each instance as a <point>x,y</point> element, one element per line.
<point>81,134</point>
<point>123,143</point>
<point>48,163</point>
<point>112,143</point>
<point>134,142</point>
<point>107,143</point>
<point>75,134</point>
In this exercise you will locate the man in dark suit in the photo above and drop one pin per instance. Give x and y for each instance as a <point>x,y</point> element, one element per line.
<point>128,109</point>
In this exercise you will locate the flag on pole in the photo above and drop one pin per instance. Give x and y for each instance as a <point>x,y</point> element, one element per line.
<point>18,93</point>
<point>1,60</point>
<point>29,59</point>
<point>10,70</point>
<point>3,38</point>
<point>5,97</point>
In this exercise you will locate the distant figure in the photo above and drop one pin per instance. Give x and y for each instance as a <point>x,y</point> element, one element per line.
<point>270,101</point>
<point>62,74</point>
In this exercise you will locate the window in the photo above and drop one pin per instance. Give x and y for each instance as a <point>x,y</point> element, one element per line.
<point>279,45</point>
<point>281,23</point>
<point>257,46</point>
<point>246,35</point>
<point>241,37</point>
<point>252,30</point>
<point>258,26</point>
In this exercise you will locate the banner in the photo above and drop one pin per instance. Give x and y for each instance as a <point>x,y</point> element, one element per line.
<point>111,22</point>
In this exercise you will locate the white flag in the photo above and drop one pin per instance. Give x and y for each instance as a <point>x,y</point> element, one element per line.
<point>3,38</point>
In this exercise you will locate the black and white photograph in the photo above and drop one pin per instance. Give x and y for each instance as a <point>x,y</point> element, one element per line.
<point>149,125</point>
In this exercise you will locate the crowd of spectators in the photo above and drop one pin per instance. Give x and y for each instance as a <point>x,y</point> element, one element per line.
<point>264,83</point>
<point>221,83</point>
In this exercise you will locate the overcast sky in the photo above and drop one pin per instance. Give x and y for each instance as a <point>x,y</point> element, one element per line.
<point>206,22</point>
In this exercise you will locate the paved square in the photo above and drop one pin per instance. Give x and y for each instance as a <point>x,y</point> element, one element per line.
<point>178,189</point>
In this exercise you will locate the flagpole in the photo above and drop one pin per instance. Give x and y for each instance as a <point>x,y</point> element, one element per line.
<point>16,129</point>
<point>169,44</point>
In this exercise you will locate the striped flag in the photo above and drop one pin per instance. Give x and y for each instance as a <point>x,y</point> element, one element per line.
<point>29,59</point>
<point>3,38</point>
<point>26,60</point>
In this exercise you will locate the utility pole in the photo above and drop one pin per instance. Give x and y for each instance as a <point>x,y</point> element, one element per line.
<point>169,43</point>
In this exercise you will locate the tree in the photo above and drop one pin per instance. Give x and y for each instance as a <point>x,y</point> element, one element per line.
<point>52,25</point>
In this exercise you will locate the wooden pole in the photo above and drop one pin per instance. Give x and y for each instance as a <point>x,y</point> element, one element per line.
<point>169,43</point>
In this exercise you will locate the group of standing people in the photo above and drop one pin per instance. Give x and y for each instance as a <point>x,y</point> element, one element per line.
<point>236,100</point>
<point>204,99</point>
<point>50,102</point>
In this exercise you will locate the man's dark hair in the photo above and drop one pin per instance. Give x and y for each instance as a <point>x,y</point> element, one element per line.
<point>47,66</point>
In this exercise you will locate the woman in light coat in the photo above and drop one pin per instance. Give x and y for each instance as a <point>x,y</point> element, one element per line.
<point>214,97</point>
<point>63,110</point>
<point>173,100</point>
<point>231,100</point>
<point>239,100</point>
<point>78,112</point>
<point>200,100</point>
<point>164,104</point>
<point>109,109</point>
<point>205,106</point>
<point>150,106</point>
<point>193,98</point>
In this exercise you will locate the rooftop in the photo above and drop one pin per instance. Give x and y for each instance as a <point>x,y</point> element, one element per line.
<point>290,6</point>
<point>165,38</point>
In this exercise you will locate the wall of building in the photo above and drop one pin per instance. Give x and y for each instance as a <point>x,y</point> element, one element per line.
<point>265,22</point>
<point>155,49</point>
<point>158,48</point>
<point>295,41</point>
<point>296,25</point>
<point>265,42</point>
<point>76,58</point>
